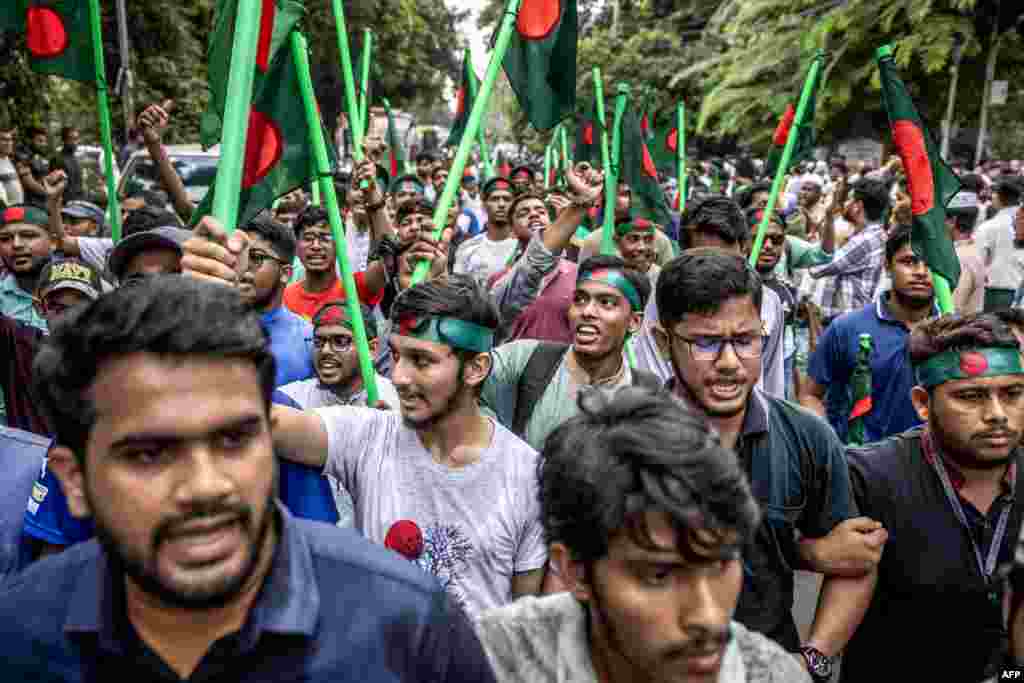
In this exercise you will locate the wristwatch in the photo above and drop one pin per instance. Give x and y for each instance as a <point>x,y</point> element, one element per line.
<point>819,665</point>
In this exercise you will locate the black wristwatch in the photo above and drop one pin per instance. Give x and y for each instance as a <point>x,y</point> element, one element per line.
<point>819,665</point>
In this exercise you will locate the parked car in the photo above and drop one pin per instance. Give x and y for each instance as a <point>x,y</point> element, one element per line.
<point>93,177</point>
<point>196,166</point>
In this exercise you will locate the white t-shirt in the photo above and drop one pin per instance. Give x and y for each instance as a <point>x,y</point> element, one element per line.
<point>482,257</point>
<point>479,524</point>
<point>10,184</point>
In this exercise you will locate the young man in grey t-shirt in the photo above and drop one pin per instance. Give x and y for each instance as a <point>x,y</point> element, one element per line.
<point>440,483</point>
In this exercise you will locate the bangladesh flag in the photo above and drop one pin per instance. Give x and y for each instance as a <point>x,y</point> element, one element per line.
<point>541,60</point>
<point>396,157</point>
<point>931,182</point>
<point>57,35</point>
<point>278,156</point>
<point>664,145</point>
<point>588,138</point>
<point>464,99</point>
<point>805,141</point>
<point>277,19</point>
<point>860,393</point>
<point>639,172</point>
<point>504,167</point>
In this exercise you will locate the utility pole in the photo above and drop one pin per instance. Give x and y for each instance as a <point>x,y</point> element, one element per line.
<point>990,75</point>
<point>125,80</point>
<point>947,124</point>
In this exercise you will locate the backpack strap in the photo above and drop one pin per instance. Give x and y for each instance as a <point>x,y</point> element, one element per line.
<point>536,377</point>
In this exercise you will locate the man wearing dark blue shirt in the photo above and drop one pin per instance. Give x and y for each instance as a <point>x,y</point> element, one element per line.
<point>888,319</point>
<point>198,572</point>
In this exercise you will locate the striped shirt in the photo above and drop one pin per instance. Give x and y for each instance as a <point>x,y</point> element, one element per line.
<point>853,272</point>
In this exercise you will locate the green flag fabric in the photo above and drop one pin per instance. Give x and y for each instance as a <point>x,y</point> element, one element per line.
<point>588,138</point>
<point>277,19</point>
<point>396,155</point>
<point>541,60</point>
<point>805,141</point>
<point>664,144</point>
<point>278,156</point>
<point>930,181</point>
<point>57,35</point>
<point>12,16</point>
<point>465,97</point>
<point>639,172</point>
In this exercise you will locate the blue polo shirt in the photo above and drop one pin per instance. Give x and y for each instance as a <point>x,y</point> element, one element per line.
<point>333,607</point>
<point>22,456</point>
<point>892,374</point>
<point>291,344</point>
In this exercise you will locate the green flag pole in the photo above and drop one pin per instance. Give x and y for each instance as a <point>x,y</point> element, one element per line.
<point>103,106</point>
<point>611,189</point>
<point>454,181</point>
<point>323,177</point>
<point>315,187</point>
<point>787,154</point>
<point>681,153</point>
<point>355,120</point>
<point>485,157</point>
<point>607,244</point>
<point>364,94</point>
<point>547,164</point>
<point>564,140</point>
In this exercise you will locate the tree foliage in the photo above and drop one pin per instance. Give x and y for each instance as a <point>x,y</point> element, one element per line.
<point>416,46</point>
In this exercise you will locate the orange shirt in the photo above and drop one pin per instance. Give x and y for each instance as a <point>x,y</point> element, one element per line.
<point>306,304</point>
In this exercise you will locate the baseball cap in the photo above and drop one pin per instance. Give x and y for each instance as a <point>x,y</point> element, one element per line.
<point>24,213</point>
<point>82,209</point>
<point>156,238</point>
<point>69,274</point>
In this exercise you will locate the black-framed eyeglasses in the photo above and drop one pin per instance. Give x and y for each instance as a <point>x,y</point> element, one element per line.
<point>708,348</point>
<point>776,240</point>
<point>339,342</point>
<point>258,258</point>
<point>317,237</point>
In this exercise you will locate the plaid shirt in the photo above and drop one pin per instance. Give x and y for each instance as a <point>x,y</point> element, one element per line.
<point>851,276</point>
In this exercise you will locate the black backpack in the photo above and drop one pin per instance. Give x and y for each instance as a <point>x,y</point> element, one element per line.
<point>539,372</point>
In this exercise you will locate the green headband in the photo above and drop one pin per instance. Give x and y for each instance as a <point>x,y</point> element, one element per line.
<point>453,332</point>
<point>637,225</point>
<point>616,279</point>
<point>948,366</point>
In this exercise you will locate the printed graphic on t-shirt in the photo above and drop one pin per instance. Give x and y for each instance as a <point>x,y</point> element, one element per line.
<point>443,550</point>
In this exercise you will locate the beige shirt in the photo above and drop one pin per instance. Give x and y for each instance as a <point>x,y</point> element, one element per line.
<point>969,295</point>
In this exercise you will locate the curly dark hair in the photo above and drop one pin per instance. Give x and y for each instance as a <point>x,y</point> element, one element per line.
<point>275,232</point>
<point>311,215</point>
<point>169,315</point>
<point>452,296</point>
<point>953,331</point>
<point>638,450</point>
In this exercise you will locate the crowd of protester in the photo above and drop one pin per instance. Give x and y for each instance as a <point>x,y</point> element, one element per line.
<point>578,465</point>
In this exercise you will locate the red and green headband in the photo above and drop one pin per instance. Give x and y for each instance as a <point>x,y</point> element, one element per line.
<point>459,334</point>
<point>635,225</point>
<point>617,279</point>
<point>958,364</point>
<point>29,215</point>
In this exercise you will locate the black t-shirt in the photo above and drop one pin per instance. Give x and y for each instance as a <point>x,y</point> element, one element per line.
<point>933,617</point>
<point>799,476</point>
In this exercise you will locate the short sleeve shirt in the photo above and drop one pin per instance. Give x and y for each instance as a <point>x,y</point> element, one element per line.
<point>482,257</point>
<point>473,528</point>
<point>305,304</point>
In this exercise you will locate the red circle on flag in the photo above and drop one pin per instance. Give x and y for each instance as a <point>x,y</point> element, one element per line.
<point>405,538</point>
<point>538,18</point>
<point>672,140</point>
<point>973,363</point>
<point>264,145</point>
<point>588,134</point>
<point>45,34</point>
<point>649,168</point>
<point>910,145</point>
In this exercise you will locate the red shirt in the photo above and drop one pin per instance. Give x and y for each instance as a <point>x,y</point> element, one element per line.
<point>306,304</point>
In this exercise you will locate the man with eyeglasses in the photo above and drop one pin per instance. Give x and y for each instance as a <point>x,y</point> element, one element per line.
<point>338,382</point>
<point>710,329</point>
<point>320,283</point>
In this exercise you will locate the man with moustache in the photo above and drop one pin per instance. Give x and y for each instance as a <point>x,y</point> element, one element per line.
<point>889,320</point>
<point>440,483</point>
<point>946,492</point>
<point>160,398</point>
<point>646,513</point>
<point>25,247</point>
<point>490,252</point>
<point>533,385</point>
<point>711,330</point>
